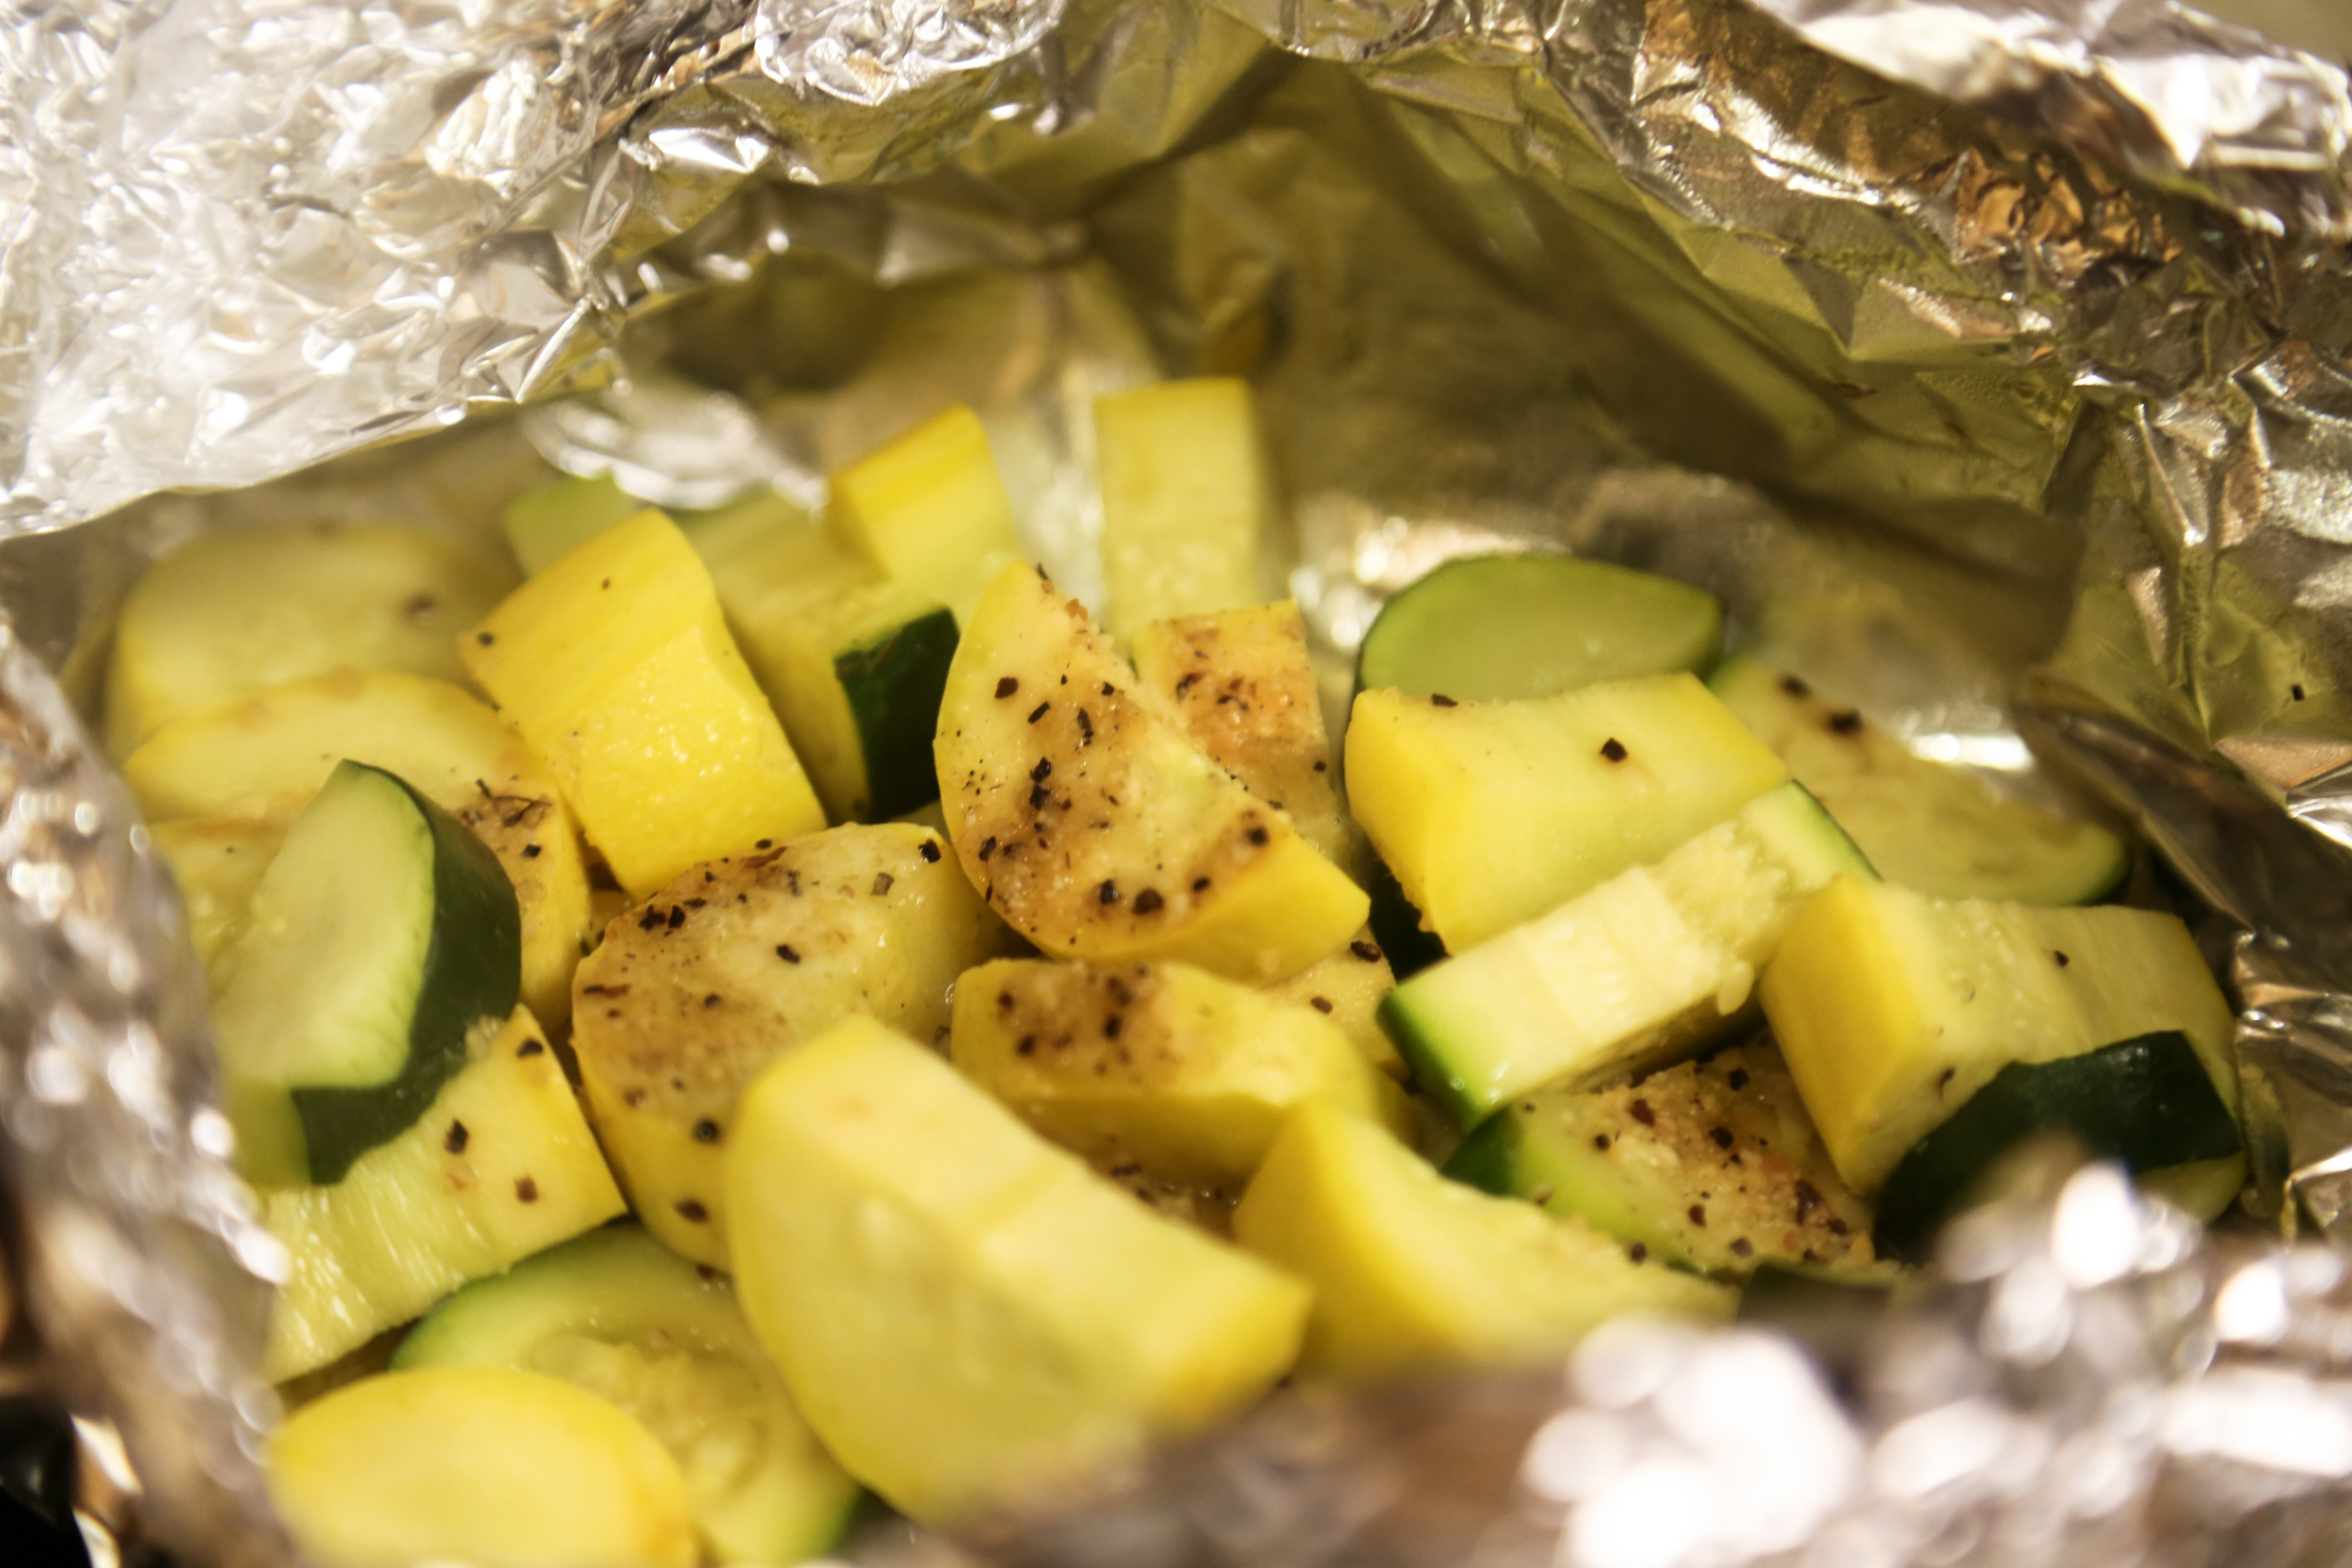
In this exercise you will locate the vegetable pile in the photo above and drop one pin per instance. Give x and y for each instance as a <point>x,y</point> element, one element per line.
<point>793,1007</point>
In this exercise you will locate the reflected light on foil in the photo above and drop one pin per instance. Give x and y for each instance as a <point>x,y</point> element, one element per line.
<point>2257,1416</point>
<point>1573,1454</point>
<point>1625,1361</point>
<point>2252,1309</point>
<point>1941,1447</point>
<point>2095,1235</point>
<point>1655,1515</point>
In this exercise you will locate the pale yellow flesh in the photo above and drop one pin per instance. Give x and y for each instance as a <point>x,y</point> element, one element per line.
<point>1892,1008</point>
<point>928,510</point>
<point>1492,813</point>
<point>239,609</point>
<point>616,666</point>
<point>1188,498</point>
<point>264,755</point>
<point>1414,1273</point>
<point>486,1466</point>
<point>966,1314</point>
<point>1105,787</point>
<point>1346,988</point>
<point>417,1217</point>
<point>1188,1075</point>
<point>216,862</point>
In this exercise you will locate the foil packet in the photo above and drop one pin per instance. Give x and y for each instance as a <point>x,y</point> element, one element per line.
<point>1989,356</point>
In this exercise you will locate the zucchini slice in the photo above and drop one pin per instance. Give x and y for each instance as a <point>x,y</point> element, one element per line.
<point>1651,964</point>
<point>1095,825</point>
<point>965,1313</point>
<point>264,755</point>
<point>738,961</point>
<point>501,1166</point>
<point>544,524</point>
<point>476,1465</point>
<point>1712,1165</point>
<point>1188,498</point>
<point>619,1314</point>
<point>1492,813</point>
<point>1893,1008</point>
<point>1487,628</point>
<point>1942,830</point>
<point>1165,1066</point>
<point>2148,1102</point>
<point>237,610</point>
<point>381,937</point>
<point>616,666</point>
<point>928,510</point>
<point>1414,1273</point>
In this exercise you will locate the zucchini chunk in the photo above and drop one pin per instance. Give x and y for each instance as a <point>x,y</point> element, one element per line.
<point>476,1465</point>
<point>1712,1165</point>
<point>853,662</point>
<point>965,1313</point>
<point>217,861</point>
<point>382,935</point>
<point>1348,988</point>
<point>616,666</point>
<point>1651,964</point>
<point>1488,629</point>
<point>1240,681</point>
<point>1893,1008</point>
<point>546,523</point>
<point>500,1167</point>
<point>1188,498</point>
<point>928,510</point>
<point>1166,1066</point>
<point>619,1315</point>
<point>1414,1273</point>
<point>264,756</point>
<point>237,610</point>
<point>2148,1102</point>
<point>1491,812</point>
<point>1941,830</point>
<point>1093,823</point>
<point>691,994</point>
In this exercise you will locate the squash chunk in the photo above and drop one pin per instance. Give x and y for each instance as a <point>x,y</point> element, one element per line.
<point>615,665</point>
<point>1094,825</point>
<point>1415,1273</point>
<point>741,959</point>
<point>264,755</point>
<point>1188,499</point>
<point>965,1313</point>
<point>1164,1065</point>
<point>1348,988</point>
<point>217,861</point>
<point>928,510</point>
<point>1492,813</point>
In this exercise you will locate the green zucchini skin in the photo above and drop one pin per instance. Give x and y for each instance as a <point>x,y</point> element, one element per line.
<point>2148,1101</point>
<point>894,685</point>
<point>473,972</point>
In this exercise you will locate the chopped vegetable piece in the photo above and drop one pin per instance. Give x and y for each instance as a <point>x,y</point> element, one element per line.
<point>930,511</point>
<point>1188,499</point>
<point>545,524</point>
<point>615,665</point>
<point>1348,988</point>
<point>965,1313</point>
<point>217,861</point>
<point>1492,813</point>
<point>1096,827</point>
<point>1414,1273</point>
<point>1487,628</point>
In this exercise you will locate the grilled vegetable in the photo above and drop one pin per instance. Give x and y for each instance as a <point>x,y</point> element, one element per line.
<point>965,1313</point>
<point>240,610</point>
<point>1487,628</point>
<point>1187,500</point>
<point>477,1465</point>
<point>616,666</point>
<point>691,994</point>
<point>382,935</point>
<point>1166,1066</point>
<point>1348,988</point>
<point>1492,813</point>
<point>1096,827</point>
<point>500,1166</point>
<point>1414,1273</point>
<point>217,861</point>
<point>1711,1164</point>
<point>930,511</point>
<point>617,1314</point>
<point>1653,964</point>
<point>264,756</point>
<point>1939,829</point>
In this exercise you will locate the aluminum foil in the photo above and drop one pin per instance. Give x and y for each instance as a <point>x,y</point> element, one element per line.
<point>1989,356</point>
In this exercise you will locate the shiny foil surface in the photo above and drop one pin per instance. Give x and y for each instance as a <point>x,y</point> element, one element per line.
<point>1987,356</point>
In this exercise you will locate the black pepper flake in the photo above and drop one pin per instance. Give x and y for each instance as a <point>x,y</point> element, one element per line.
<point>456,1140</point>
<point>1320,1003</point>
<point>1007,685</point>
<point>883,881</point>
<point>692,1211</point>
<point>764,843</point>
<point>1259,836</point>
<point>1613,749</point>
<point>1741,1246</point>
<point>1086,728</point>
<point>786,951</point>
<point>1039,711</point>
<point>1028,1044</point>
<point>1944,1077</point>
<point>1110,1026</point>
<point>676,916</point>
<point>1846,723</point>
<point>1149,902</point>
<point>1369,952</point>
<point>1738,1078</point>
<point>930,851</point>
<point>485,639</point>
<point>526,1189</point>
<point>531,851</point>
<point>1439,700</point>
<point>531,1047</point>
<point>1200,884</point>
<point>2062,958</point>
<point>1794,687</point>
<point>1808,1198</point>
<point>1038,795</point>
<point>1043,771</point>
<point>1643,1115</point>
<point>988,847</point>
<point>1836,1226</point>
<point>1722,1136</point>
<point>2296,691</point>
<point>1108,893</point>
<point>1638,1253</point>
<point>1600,1142</point>
<point>1698,1216</point>
<point>1109,690</point>
<point>711,1000</point>
<point>650,919</point>
<point>1189,681</point>
<point>706,1130</point>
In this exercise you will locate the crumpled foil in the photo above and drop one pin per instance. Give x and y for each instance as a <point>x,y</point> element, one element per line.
<point>1989,356</point>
